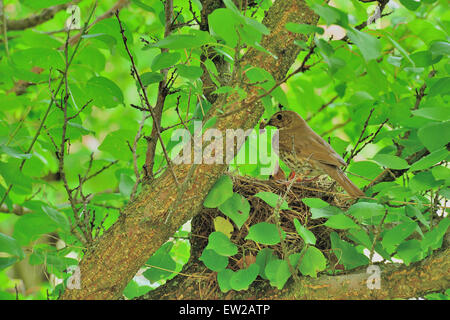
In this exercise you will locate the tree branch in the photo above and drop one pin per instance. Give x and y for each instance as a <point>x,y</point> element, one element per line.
<point>396,281</point>
<point>37,19</point>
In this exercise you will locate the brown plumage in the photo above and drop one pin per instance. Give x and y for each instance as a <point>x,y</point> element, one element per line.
<point>306,153</point>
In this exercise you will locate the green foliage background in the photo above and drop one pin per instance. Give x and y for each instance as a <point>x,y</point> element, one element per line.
<point>381,68</point>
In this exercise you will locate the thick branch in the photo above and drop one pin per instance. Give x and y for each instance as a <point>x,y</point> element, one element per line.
<point>37,19</point>
<point>396,281</point>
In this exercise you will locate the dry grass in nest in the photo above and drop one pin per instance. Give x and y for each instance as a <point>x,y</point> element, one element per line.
<point>260,211</point>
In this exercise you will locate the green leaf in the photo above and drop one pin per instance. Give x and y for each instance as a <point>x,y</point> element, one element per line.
<point>11,246</point>
<point>213,261</point>
<point>313,261</point>
<point>366,210</point>
<point>393,237</point>
<point>329,211</point>
<point>151,77</point>
<point>13,152</point>
<point>369,45</point>
<point>237,208</point>
<point>340,221</point>
<point>222,21</point>
<point>422,58</point>
<point>28,227</point>
<point>325,48</point>
<point>442,173</point>
<point>223,279</point>
<point>165,60</point>
<point>331,15</point>
<point>241,280</point>
<point>430,160</point>
<point>272,199</point>
<point>221,244</point>
<point>277,271</point>
<point>12,175</point>
<point>91,57</point>
<point>423,181</point>
<point>279,95</point>
<point>347,253</point>
<point>411,4</point>
<point>115,144</point>
<point>126,184</point>
<point>133,290</point>
<point>230,5</point>
<point>302,44</point>
<point>441,86</point>
<point>209,123</point>
<point>306,235</point>
<point>58,217</point>
<point>211,68</point>
<point>224,89</point>
<point>367,169</point>
<point>360,236</point>
<point>38,57</point>
<point>435,135</point>
<point>42,4</point>
<point>413,211</point>
<point>256,26</point>
<point>104,92</point>
<point>265,233</point>
<point>433,238</point>
<point>303,28</point>
<point>409,251</point>
<point>315,202</point>
<point>161,264</point>
<point>5,263</point>
<point>391,161</point>
<point>263,257</point>
<point>433,113</point>
<point>143,5</point>
<point>440,48</point>
<point>401,50</point>
<point>223,225</point>
<point>184,41</point>
<point>220,192</point>
<point>190,72</point>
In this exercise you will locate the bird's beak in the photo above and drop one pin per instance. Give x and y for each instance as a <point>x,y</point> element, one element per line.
<point>264,124</point>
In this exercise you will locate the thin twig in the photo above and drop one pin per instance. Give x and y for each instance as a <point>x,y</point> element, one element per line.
<point>302,68</point>
<point>134,152</point>
<point>41,125</point>
<point>158,128</point>
<point>323,107</point>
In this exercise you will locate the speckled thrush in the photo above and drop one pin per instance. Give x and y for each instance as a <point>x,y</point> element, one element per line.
<point>306,153</point>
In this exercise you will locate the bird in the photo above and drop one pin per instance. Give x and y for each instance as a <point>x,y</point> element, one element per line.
<point>306,153</point>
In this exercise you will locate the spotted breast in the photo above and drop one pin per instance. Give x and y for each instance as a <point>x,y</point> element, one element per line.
<point>300,165</point>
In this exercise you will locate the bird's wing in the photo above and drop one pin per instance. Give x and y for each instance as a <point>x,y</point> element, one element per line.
<point>312,146</point>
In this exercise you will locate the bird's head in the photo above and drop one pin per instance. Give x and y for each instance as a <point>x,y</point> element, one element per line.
<point>284,119</point>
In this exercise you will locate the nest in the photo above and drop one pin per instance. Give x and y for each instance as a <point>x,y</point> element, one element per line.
<point>260,211</point>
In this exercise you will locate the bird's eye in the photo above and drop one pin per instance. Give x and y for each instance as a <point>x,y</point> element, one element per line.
<point>279,117</point>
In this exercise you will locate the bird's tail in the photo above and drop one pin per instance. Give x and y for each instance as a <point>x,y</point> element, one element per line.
<point>340,177</point>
